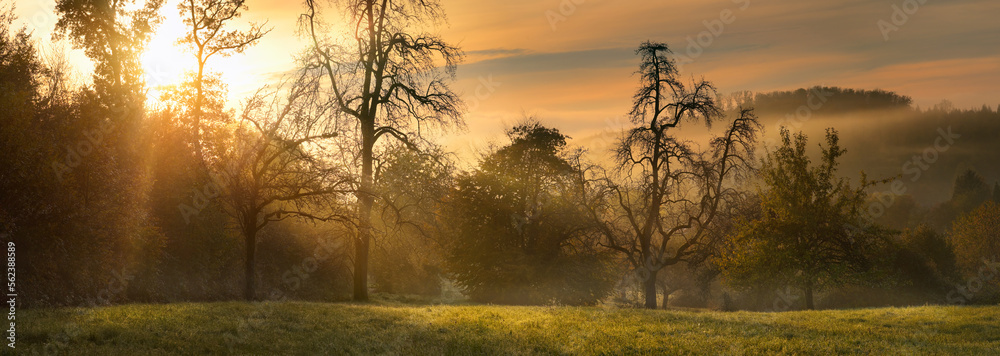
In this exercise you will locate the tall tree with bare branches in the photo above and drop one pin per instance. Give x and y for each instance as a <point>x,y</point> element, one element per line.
<point>660,208</point>
<point>390,78</point>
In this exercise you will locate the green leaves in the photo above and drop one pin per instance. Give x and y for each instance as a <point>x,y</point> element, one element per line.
<point>517,232</point>
<point>810,231</point>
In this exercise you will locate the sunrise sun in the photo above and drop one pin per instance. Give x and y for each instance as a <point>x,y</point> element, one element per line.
<point>164,61</point>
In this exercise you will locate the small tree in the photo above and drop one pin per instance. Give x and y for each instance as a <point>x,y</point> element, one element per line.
<point>811,231</point>
<point>924,259</point>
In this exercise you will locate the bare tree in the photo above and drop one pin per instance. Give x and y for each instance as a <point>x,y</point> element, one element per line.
<point>659,210</point>
<point>270,172</point>
<point>206,20</point>
<point>390,79</point>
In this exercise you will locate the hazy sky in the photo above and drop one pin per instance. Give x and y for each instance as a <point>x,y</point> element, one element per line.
<point>570,62</point>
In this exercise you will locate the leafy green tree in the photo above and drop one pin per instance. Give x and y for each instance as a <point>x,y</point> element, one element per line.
<point>517,232</point>
<point>34,214</point>
<point>812,231</point>
<point>976,237</point>
<point>389,80</point>
<point>109,178</point>
<point>925,259</point>
<point>67,201</point>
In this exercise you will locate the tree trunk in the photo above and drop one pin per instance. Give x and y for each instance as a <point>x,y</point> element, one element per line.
<point>365,202</point>
<point>650,285</point>
<point>361,263</point>
<point>250,233</point>
<point>198,102</point>
<point>809,296</point>
<point>666,296</point>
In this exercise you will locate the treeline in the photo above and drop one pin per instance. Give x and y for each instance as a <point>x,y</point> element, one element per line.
<point>311,187</point>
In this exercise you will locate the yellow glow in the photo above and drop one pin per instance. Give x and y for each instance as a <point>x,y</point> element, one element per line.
<point>164,61</point>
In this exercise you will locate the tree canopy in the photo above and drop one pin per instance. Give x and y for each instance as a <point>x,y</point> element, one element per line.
<point>517,232</point>
<point>811,232</point>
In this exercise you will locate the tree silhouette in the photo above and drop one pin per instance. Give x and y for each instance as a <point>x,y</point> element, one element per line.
<point>669,194</point>
<point>206,20</point>
<point>113,34</point>
<point>390,80</point>
<point>269,173</point>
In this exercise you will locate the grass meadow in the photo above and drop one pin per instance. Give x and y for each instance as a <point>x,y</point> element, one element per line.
<point>392,328</point>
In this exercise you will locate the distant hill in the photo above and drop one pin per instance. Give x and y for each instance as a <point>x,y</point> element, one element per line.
<point>886,136</point>
<point>834,100</point>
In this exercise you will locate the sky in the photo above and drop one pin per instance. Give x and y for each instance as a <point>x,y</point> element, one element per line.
<point>570,62</point>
